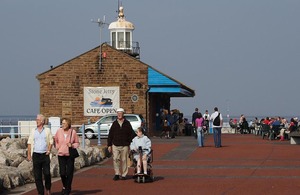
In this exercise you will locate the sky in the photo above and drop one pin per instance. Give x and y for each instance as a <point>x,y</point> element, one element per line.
<point>239,55</point>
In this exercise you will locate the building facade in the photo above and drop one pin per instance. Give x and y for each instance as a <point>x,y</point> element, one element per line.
<point>142,89</point>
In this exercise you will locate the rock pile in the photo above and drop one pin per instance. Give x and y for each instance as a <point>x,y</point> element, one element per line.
<point>15,170</point>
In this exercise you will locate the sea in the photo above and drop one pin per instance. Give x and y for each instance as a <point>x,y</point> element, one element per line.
<point>9,123</point>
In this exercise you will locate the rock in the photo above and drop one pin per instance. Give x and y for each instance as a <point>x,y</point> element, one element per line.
<point>15,170</point>
<point>3,159</point>
<point>54,167</point>
<point>11,177</point>
<point>26,170</point>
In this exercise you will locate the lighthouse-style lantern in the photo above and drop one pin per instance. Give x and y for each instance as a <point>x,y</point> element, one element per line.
<point>121,35</point>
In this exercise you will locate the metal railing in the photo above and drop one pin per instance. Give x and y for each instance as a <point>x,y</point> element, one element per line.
<point>17,131</point>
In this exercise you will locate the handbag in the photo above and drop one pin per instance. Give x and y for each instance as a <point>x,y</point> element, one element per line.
<point>73,151</point>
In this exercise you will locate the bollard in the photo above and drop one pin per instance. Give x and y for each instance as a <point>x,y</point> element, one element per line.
<point>12,133</point>
<point>99,140</point>
<point>83,136</point>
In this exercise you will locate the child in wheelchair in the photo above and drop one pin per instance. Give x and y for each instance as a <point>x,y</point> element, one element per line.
<point>142,155</point>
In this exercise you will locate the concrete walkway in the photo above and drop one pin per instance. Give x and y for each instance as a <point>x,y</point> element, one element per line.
<point>246,164</point>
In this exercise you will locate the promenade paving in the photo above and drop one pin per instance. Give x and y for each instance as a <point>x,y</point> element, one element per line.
<point>246,164</point>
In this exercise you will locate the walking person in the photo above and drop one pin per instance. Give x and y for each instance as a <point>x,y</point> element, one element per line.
<point>206,121</point>
<point>217,120</point>
<point>66,137</point>
<point>174,118</point>
<point>194,117</point>
<point>118,141</point>
<point>166,129</point>
<point>39,146</point>
<point>200,131</point>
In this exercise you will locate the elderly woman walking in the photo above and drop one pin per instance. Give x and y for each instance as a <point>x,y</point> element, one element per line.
<point>65,138</point>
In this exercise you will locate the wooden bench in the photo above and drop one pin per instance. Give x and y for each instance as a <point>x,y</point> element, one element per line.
<point>294,138</point>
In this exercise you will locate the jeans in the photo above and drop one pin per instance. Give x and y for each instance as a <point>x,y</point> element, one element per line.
<point>41,165</point>
<point>217,136</point>
<point>66,171</point>
<point>200,137</point>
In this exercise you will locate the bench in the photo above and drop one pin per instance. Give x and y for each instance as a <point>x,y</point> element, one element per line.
<point>294,138</point>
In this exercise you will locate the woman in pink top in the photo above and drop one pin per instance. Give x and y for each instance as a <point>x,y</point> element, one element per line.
<point>63,141</point>
<point>199,124</point>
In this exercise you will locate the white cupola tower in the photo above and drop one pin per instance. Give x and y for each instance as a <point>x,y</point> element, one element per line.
<point>121,35</point>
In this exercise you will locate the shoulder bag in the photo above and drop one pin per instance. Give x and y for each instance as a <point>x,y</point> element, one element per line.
<point>73,151</point>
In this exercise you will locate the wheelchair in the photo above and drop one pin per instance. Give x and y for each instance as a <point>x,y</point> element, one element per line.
<point>141,177</point>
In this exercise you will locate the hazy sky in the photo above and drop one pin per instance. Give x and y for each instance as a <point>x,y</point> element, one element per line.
<point>240,55</point>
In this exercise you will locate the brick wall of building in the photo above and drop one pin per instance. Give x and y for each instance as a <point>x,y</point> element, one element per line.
<point>61,88</point>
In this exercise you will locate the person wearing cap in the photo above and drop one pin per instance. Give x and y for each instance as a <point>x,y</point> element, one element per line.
<point>118,141</point>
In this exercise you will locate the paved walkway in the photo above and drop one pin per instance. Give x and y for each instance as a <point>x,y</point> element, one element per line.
<point>246,164</point>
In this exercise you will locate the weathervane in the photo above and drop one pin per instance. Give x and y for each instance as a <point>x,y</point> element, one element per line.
<point>101,24</point>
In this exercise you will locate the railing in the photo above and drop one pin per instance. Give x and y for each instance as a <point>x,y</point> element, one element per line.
<point>130,47</point>
<point>14,131</point>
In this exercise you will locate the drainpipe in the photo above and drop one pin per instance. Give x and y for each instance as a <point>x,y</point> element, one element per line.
<point>147,128</point>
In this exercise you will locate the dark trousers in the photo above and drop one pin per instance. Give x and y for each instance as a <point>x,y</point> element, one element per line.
<point>66,171</point>
<point>174,128</point>
<point>41,165</point>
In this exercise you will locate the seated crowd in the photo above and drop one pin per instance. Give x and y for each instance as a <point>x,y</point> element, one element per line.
<point>272,127</point>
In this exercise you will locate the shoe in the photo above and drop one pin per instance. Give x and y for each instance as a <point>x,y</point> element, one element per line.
<point>48,192</point>
<point>63,191</point>
<point>116,177</point>
<point>123,178</point>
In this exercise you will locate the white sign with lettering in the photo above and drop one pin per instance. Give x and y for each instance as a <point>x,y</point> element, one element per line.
<point>99,101</point>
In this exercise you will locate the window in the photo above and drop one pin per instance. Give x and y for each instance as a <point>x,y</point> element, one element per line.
<point>121,40</point>
<point>131,118</point>
<point>113,39</point>
<point>107,120</point>
<point>128,40</point>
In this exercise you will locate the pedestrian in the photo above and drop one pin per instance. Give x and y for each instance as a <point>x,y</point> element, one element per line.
<point>206,121</point>
<point>144,142</point>
<point>118,141</point>
<point>217,120</point>
<point>65,138</point>
<point>39,147</point>
<point>166,129</point>
<point>194,116</point>
<point>200,131</point>
<point>174,122</point>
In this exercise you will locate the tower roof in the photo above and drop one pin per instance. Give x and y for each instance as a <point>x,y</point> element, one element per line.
<point>121,23</point>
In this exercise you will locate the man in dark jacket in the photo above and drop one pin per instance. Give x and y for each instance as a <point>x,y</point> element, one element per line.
<point>119,138</point>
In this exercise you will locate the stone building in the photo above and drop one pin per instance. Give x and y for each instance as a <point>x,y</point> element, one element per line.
<point>67,90</point>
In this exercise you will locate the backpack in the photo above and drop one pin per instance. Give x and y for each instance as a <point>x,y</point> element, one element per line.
<point>217,121</point>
